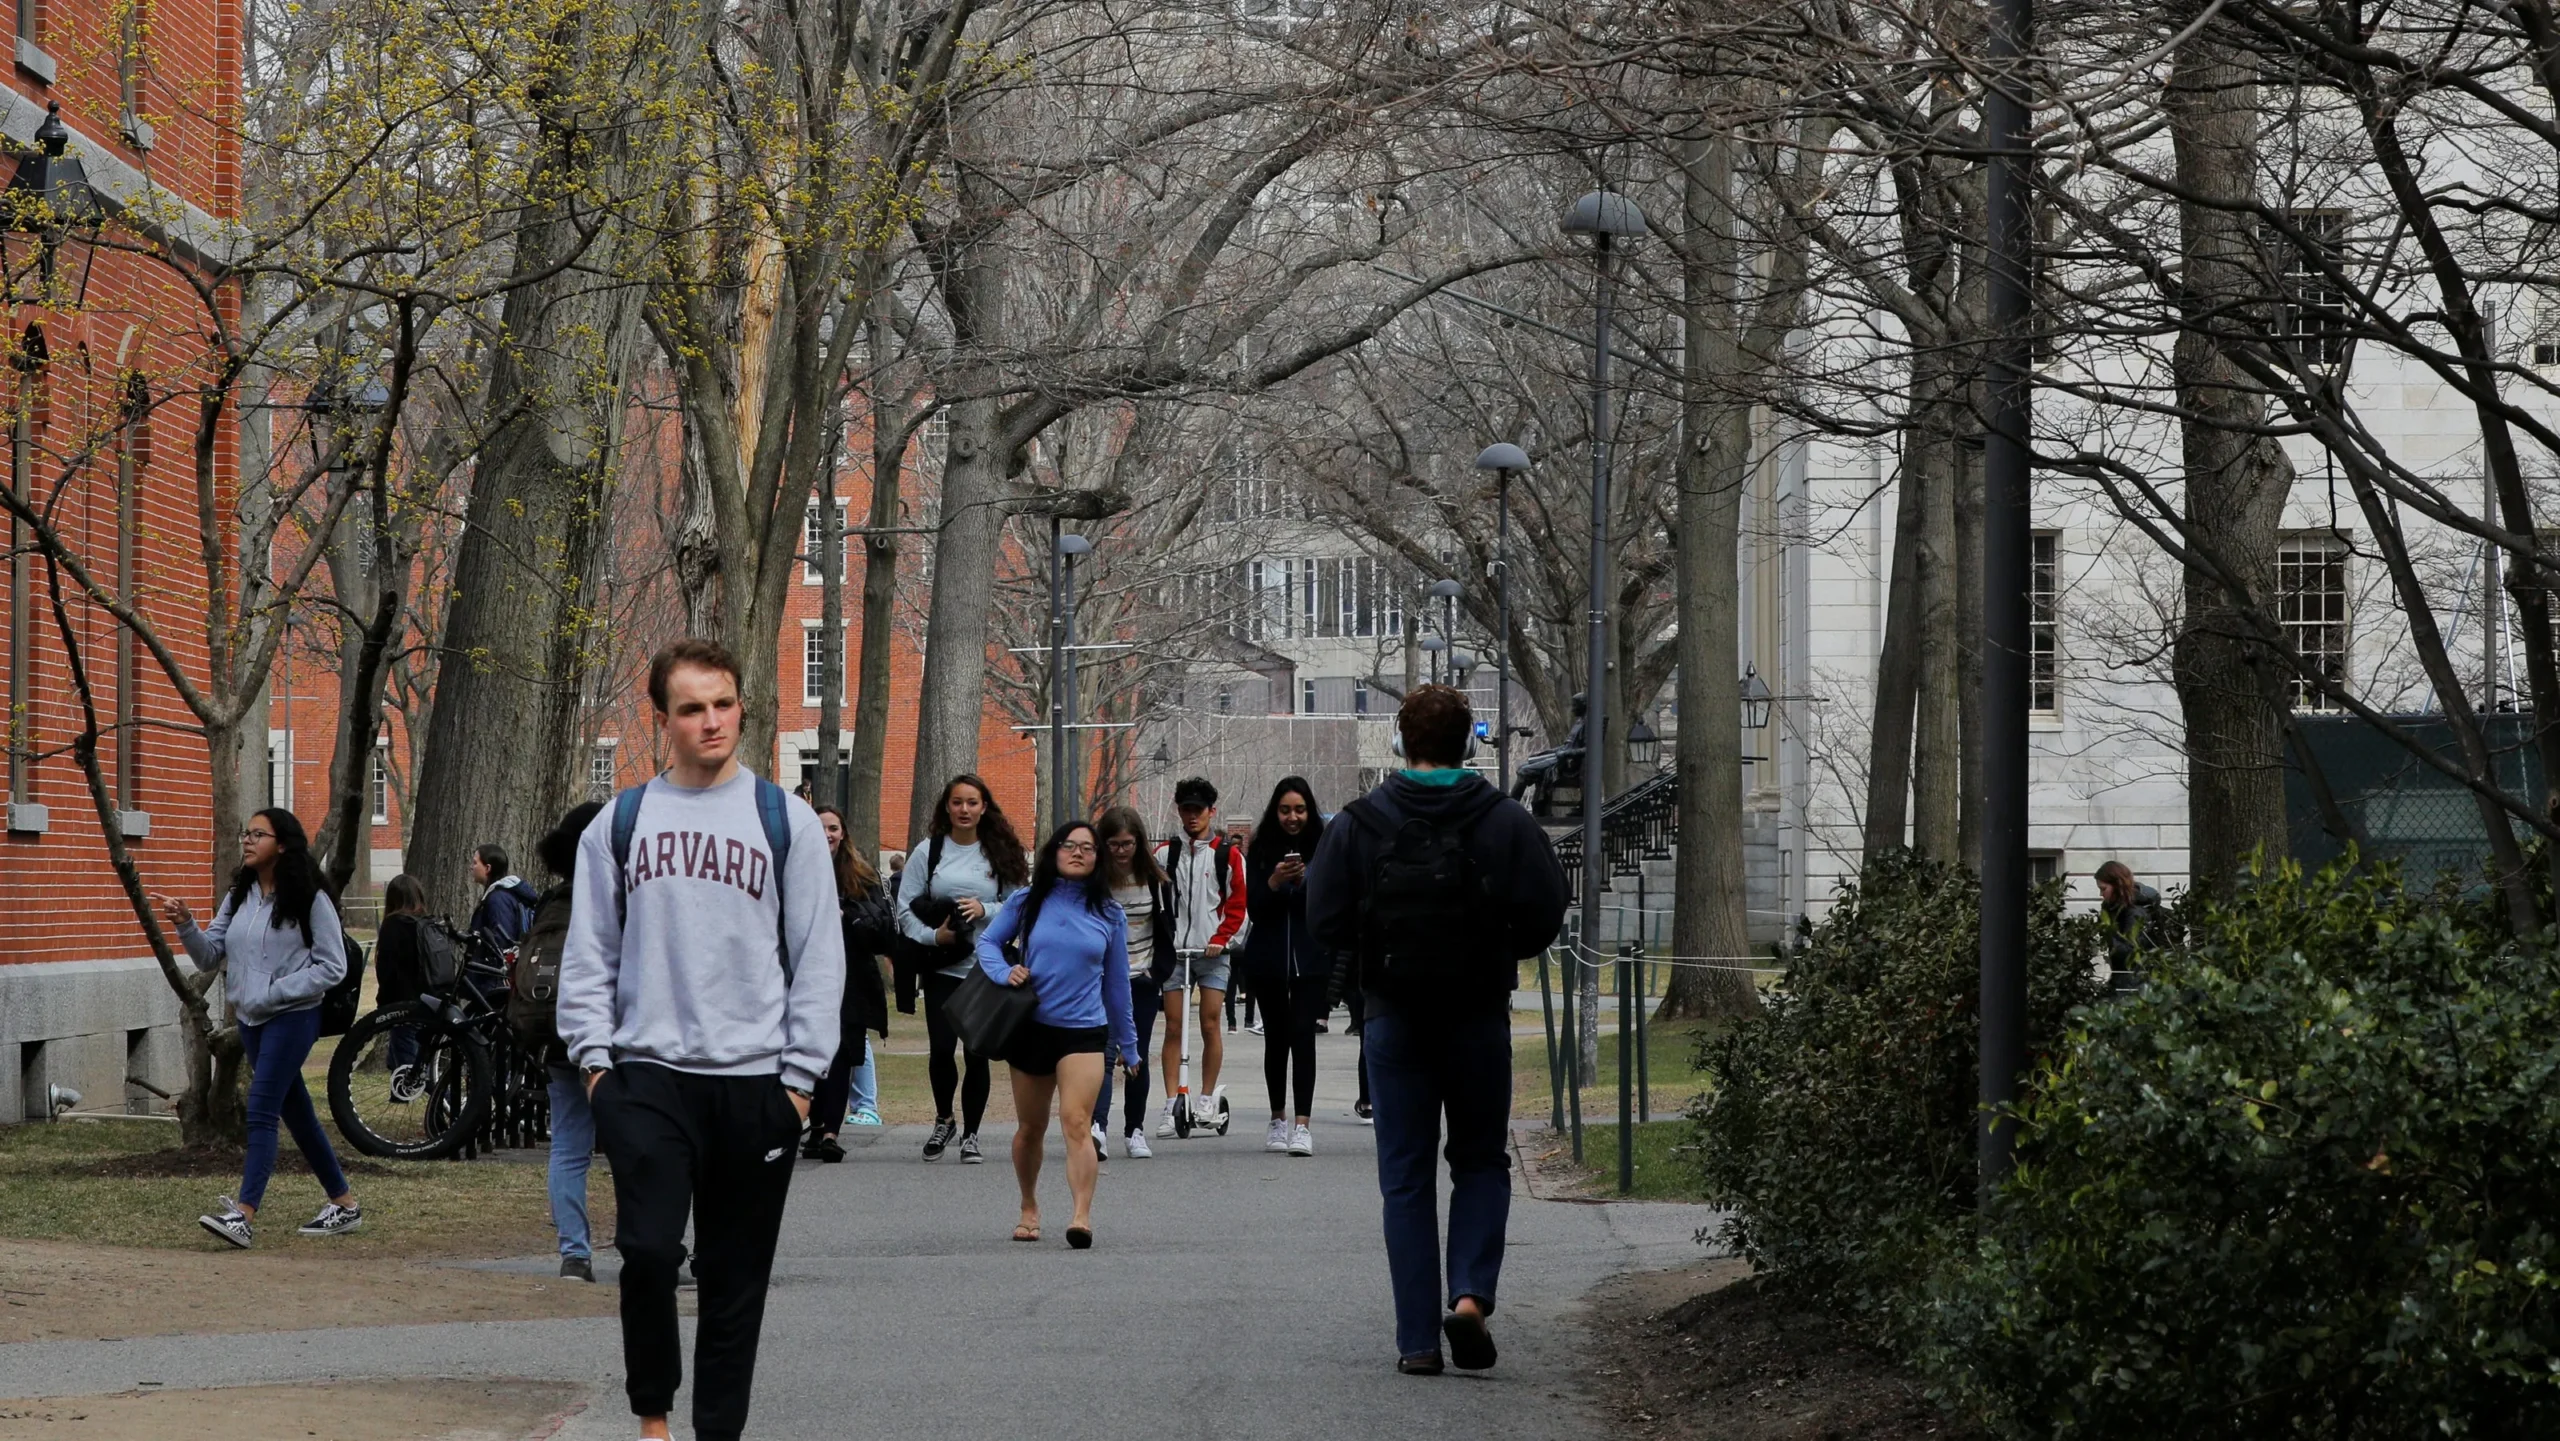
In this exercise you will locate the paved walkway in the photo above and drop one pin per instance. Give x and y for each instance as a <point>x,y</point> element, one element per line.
<point>1232,1294</point>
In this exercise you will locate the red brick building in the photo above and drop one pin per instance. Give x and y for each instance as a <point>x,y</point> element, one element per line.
<point>107,354</point>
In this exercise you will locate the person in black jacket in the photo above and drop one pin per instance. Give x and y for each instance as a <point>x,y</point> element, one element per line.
<point>400,972</point>
<point>1433,887</point>
<point>573,1118</point>
<point>1282,962</point>
<point>1145,895</point>
<point>870,930</point>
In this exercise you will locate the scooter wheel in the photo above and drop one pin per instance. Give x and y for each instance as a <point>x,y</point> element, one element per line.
<point>1182,1123</point>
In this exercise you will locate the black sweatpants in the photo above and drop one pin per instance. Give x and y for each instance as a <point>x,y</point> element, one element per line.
<point>719,1148</point>
<point>1291,1006</point>
<point>942,1038</point>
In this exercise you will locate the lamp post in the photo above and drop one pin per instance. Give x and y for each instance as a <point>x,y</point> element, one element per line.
<point>1432,646</point>
<point>1607,218</point>
<point>1507,460</point>
<point>1063,550</point>
<point>1446,592</point>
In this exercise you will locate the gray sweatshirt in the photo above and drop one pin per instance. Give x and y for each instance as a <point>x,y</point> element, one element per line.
<point>963,871</point>
<point>267,970</point>
<point>684,967</point>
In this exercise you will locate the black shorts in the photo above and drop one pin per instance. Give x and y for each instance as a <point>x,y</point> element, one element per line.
<point>1036,1048</point>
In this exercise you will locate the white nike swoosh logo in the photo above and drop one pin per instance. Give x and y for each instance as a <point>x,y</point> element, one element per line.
<point>776,1153</point>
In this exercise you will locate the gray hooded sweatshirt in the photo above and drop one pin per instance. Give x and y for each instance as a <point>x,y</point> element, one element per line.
<point>267,970</point>
<point>680,961</point>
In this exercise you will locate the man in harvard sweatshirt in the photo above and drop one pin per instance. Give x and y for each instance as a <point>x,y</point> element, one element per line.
<point>698,993</point>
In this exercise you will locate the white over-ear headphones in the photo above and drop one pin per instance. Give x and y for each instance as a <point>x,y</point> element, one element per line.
<point>1397,744</point>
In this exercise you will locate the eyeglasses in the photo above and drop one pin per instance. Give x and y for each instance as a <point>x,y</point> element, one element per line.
<point>257,835</point>
<point>1076,848</point>
<point>1124,843</point>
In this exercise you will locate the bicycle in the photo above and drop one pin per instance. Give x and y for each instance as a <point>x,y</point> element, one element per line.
<point>441,1075</point>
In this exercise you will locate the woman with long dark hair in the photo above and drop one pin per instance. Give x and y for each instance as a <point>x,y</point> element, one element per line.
<point>852,1081</point>
<point>1282,961</point>
<point>277,941</point>
<point>400,971</point>
<point>1072,944</point>
<point>1144,894</point>
<point>969,860</point>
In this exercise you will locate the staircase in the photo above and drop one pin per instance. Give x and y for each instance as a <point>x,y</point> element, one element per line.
<point>1639,844</point>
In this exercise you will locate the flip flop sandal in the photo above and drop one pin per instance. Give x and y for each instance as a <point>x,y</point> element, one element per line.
<point>1026,1233</point>
<point>1470,1343</point>
<point>1080,1237</point>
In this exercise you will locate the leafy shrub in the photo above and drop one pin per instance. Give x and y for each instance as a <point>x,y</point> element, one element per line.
<point>2301,1185</point>
<point>1840,1126</point>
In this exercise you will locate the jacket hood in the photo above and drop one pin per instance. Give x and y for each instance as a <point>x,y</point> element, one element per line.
<point>1401,799</point>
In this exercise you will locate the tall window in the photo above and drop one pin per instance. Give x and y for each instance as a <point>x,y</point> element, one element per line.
<point>813,546</point>
<point>2044,625</point>
<point>280,769</point>
<point>813,664</point>
<point>2311,313</point>
<point>133,72</point>
<point>2311,605</point>
<point>600,771</point>
<point>31,21</point>
<point>379,788</point>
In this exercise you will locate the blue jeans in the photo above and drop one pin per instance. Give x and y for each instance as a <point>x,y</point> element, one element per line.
<point>573,1149</point>
<point>404,1046</point>
<point>866,1080</point>
<point>1146,1003</point>
<point>1420,1067</point>
<point>275,1050</point>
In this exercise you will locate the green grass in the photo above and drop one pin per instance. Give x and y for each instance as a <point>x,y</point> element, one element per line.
<point>1663,1169</point>
<point>128,1183</point>
<point>1670,1056</point>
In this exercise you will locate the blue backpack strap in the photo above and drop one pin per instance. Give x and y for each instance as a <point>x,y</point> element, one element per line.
<point>773,807</point>
<point>626,823</point>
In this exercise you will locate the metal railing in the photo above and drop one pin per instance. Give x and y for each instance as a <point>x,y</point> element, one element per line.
<point>1641,824</point>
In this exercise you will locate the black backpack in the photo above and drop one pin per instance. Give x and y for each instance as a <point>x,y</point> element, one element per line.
<point>338,1003</point>
<point>533,986</point>
<point>1423,927</point>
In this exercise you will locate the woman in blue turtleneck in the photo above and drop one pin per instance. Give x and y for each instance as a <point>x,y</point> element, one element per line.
<point>1075,958</point>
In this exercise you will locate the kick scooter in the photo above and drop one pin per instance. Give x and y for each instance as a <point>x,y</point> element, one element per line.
<point>1204,1113</point>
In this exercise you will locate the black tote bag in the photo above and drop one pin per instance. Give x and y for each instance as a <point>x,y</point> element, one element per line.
<point>988,1013</point>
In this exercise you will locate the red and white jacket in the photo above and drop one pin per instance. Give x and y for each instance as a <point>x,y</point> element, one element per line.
<point>1208,890</point>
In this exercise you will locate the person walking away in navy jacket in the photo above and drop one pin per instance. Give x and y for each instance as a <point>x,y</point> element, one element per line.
<point>1434,886</point>
<point>1072,949</point>
<point>1283,964</point>
<point>277,941</point>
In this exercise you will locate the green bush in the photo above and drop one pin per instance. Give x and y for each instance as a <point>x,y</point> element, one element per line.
<point>1840,1127</point>
<point>2301,1185</point>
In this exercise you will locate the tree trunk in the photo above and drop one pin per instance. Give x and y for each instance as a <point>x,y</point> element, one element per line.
<point>869,761</point>
<point>973,279</point>
<point>1968,509</point>
<point>1937,784</point>
<point>503,732</point>
<point>1897,681</point>
<point>1708,907</point>
<point>2236,477</point>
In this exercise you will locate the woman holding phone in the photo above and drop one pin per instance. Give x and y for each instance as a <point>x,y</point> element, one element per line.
<point>1282,962</point>
<point>967,863</point>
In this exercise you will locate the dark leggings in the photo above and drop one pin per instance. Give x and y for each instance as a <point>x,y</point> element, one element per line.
<point>1291,1006</point>
<point>941,1039</point>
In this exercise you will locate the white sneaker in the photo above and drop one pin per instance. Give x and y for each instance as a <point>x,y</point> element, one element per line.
<point>1302,1142</point>
<point>1164,1128</point>
<point>1136,1147</point>
<point>334,1220</point>
<point>1278,1139</point>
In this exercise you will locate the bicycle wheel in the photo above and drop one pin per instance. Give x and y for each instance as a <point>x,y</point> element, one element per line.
<point>425,1104</point>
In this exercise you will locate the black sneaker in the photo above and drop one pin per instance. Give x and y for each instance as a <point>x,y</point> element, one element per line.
<point>230,1225</point>
<point>577,1268</point>
<point>969,1152</point>
<point>334,1220</point>
<point>1363,1111</point>
<point>940,1140</point>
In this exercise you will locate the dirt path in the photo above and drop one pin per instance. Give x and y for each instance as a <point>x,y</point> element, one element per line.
<point>58,1292</point>
<point>421,1410</point>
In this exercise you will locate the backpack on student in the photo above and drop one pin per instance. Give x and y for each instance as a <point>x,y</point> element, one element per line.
<point>439,956</point>
<point>1423,927</point>
<point>772,809</point>
<point>533,982</point>
<point>338,1003</point>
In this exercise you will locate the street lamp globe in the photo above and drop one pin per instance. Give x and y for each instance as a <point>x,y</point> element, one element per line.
<point>1444,590</point>
<point>1074,545</point>
<point>1504,456</point>
<point>1607,215</point>
<point>1434,644</point>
